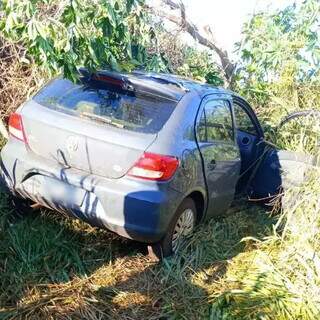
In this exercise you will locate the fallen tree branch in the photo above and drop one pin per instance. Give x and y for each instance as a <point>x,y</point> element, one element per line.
<point>188,26</point>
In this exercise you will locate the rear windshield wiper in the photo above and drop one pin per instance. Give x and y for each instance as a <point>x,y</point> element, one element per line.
<point>101,119</point>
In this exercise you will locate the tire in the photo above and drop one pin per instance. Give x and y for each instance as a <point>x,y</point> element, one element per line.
<point>22,208</point>
<point>171,242</point>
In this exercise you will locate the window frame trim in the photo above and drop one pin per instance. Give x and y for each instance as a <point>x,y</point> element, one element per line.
<point>214,97</point>
<point>251,114</point>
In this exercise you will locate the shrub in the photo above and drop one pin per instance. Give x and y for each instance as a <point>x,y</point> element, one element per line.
<point>280,55</point>
<point>280,279</point>
<point>42,38</point>
<point>67,34</point>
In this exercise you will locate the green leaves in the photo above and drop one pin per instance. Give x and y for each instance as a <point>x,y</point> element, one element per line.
<point>63,35</point>
<point>277,41</point>
<point>200,65</point>
<point>279,70</point>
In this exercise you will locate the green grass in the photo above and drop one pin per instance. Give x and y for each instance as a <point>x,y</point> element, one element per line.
<point>250,264</point>
<point>280,279</point>
<point>52,266</point>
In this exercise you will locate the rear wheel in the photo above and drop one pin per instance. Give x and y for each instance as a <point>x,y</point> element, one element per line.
<point>179,229</point>
<point>21,207</point>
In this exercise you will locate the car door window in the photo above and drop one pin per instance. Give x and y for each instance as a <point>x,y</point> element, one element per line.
<point>216,122</point>
<point>243,120</point>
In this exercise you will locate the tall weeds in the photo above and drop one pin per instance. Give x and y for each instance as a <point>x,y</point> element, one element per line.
<point>19,78</point>
<point>280,279</point>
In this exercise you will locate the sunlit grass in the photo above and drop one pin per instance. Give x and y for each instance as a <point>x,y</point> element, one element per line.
<point>301,135</point>
<point>250,264</point>
<point>280,279</point>
<point>52,266</point>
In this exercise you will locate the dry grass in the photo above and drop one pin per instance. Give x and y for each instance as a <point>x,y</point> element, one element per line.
<point>18,77</point>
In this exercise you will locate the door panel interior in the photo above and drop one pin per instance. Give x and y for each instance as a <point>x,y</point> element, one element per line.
<point>248,148</point>
<point>278,171</point>
<point>249,141</point>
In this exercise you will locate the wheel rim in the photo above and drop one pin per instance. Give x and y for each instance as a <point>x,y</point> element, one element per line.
<point>183,228</point>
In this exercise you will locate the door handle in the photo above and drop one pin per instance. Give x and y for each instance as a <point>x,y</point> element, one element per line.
<point>212,165</point>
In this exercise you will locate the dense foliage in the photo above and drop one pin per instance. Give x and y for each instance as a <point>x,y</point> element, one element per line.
<point>200,65</point>
<point>280,58</point>
<point>285,42</point>
<point>68,34</point>
<point>279,73</point>
<point>171,54</point>
<point>39,39</point>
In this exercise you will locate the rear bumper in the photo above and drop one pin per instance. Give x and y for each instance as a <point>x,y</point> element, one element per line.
<point>135,209</point>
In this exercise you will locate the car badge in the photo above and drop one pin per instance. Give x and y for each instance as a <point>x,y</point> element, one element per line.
<point>72,144</point>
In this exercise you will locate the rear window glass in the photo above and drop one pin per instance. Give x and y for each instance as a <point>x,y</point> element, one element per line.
<point>136,112</point>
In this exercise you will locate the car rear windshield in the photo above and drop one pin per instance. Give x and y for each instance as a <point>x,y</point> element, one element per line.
<point>136,111</point>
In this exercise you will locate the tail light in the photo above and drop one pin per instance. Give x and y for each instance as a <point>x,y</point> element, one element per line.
<point>16,127</point>
<point>108,80</point>
<point>154,167</point>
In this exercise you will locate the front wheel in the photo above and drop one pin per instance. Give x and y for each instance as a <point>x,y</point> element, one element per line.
<point>181,226</point>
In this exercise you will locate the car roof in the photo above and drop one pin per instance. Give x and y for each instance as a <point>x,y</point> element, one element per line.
<point>184,83</point>
<point>169,85</point>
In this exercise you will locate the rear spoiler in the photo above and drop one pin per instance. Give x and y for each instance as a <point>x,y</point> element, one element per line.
<point>133,83</point>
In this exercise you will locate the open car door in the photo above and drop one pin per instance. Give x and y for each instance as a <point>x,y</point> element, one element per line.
<point>279,170</point>
<point>250,139</point>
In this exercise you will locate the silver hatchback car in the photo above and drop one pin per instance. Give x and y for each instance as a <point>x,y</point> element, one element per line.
<point>145,155</point>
